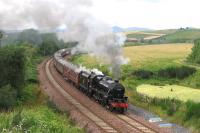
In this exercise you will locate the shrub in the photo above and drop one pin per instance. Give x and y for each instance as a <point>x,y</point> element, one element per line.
<point>195,55</point>
<point>30,93</point>
<point>143,74</point>
<point>7,97</point>
<point>176,72</point>
<point>192,110</point>
<point>40,119</point>
<point>171,106</point>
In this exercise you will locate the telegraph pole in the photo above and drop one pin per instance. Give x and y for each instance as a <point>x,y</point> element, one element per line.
<point>1,35</point>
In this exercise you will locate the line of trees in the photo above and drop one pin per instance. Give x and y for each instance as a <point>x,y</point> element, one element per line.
<point>47,43</point>
<point>18,59</point>
<point>169,72</point>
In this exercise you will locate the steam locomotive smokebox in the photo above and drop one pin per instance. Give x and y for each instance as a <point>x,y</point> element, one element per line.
<point>116,81</point>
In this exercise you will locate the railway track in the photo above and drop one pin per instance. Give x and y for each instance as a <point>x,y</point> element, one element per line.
<point>105,120</point>
<point>104,126</point>
<point>138,125</point>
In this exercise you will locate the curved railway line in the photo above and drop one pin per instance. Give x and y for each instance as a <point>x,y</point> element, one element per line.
<point>104,126</point>
<point>86,112</point>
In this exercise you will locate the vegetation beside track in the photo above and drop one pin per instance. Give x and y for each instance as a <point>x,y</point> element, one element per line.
<point>150,60</point>
<point>23,107</point>
<point>37,119</point>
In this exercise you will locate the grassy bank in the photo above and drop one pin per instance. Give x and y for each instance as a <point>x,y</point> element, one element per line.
<point>40,119</point>
<point>31,111</point>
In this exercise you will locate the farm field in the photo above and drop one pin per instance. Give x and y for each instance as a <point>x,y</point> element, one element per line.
<point>184,35</point>
<point>141,36</point>
<point>148,56</point>
<point>156,56</point>
<point>170,91</point>
<point>166,31</point>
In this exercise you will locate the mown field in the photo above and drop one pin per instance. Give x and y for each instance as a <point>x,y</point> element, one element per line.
<point>153,59</point>
<point>170,91</point>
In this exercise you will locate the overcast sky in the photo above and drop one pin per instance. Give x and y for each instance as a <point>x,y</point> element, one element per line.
<point>154,14</point>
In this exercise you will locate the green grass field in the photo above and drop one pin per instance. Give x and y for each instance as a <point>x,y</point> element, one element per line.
<point>170,91</point>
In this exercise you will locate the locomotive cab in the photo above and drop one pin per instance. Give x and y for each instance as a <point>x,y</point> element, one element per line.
<point>84,81</point>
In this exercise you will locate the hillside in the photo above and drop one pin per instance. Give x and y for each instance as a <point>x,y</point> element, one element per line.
<point>166,31</point>
<point>120,29</point>
<point>180,36</point>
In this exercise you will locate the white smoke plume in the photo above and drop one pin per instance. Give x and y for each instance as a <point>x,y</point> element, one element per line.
<point>94,37</point>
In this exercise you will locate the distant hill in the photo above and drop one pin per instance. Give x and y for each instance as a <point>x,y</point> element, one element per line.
<point>179,36</point>
<point>117,29</point>
<point>120,29</point>
<point>136,29</point>
<point>166,31</point>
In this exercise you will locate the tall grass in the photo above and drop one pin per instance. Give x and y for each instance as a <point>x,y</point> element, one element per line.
<point>39,119</point>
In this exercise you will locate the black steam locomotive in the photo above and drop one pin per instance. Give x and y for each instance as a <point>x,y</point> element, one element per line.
<point>105,90</point>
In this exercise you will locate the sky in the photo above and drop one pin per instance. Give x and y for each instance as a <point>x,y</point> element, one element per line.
<point>153,14</point>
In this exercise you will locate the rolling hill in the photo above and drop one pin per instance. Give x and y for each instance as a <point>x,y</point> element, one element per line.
<point>179,36</point>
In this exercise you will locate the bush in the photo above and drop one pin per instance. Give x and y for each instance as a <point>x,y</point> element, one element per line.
<point>30,94</point>
<point>170,72</point>
<point>40,119</point>
<point>143,74</point>
<point>171,106</point>
<point>195,55</point>
<point>192,110</point>
<point>7,97</point>
<point>176,72</point>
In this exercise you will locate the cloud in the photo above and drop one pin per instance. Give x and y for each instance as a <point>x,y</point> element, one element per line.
<point>156,14</point>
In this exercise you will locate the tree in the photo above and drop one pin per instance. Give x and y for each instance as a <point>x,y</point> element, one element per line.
<point>7,97</point>
<point>1,36</point>
<point>49,44</point>
<point>30,36</point>
<point>12,66</point>
<point>195,55</point>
